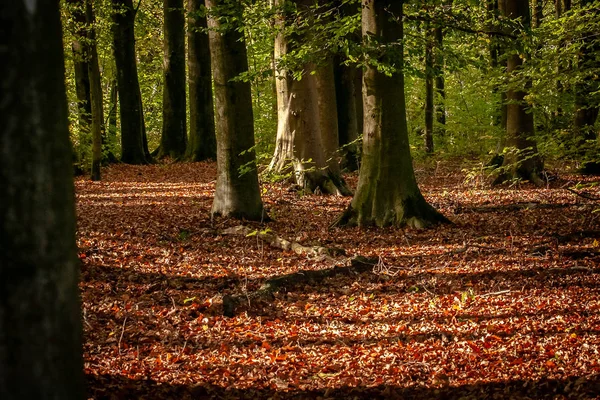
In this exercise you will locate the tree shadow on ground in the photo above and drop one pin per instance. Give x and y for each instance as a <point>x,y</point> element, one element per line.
<point>118,387</point>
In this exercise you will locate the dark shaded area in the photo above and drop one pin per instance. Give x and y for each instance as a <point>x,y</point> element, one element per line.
<point>115,387</point>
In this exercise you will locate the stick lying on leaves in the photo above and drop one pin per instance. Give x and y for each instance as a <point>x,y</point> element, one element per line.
<point>355,265</point>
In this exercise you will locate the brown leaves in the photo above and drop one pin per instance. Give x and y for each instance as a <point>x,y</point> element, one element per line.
<point>474,310</point>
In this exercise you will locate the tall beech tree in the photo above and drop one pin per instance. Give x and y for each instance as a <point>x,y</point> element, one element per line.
<point>387,192</point>
<point>307,131</point>
<point>202,143</point>
<point>133,132</point>
<point>173,141</point>
<point>522,160</point>
<point>96,97</point>
<point>40,316</point>
<point>237,193</point>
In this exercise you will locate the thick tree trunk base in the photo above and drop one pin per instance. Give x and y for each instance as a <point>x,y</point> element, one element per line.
<point>413,213</point>
<point>509,176</point>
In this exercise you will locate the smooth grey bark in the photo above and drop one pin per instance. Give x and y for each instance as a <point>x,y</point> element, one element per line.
<point>96,97</point>
<point>202,143</point>
<point>307,132</point>
<point>40,316</point>
<point>237,192</point>
<point>173,140</point>
<point>522,160</point>
<point>133,140</point>
<point>387,192</point>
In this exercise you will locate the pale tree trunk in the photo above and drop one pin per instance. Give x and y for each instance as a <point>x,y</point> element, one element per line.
<point>202,143</point>
<point>133,140</point>
<point>307,131</point>
<point>95,94</point>
<point>237,191</point>
<point>173,140</point>
<point>522,160</point>
<point>387,192</point>
<point>40,315</point>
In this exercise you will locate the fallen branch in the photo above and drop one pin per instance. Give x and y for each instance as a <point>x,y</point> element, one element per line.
<point>494,293</point>
<point>357,265</point>
<point>584,195</point>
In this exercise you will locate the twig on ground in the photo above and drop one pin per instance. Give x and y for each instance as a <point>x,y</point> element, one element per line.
<point>122,332</point>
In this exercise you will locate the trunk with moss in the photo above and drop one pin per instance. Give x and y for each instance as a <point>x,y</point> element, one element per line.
<point>173,140</point>
<point>130,103</point>
<point>237,191</point>
<point>387,192</point>
<point>307,130</point>
<point>202,143</point>
<point>40,315</point>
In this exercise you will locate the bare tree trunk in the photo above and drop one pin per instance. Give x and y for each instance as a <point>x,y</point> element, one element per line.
<point>440,82</point>
<point>237,192</point>
<point>429,78</point>
<point>133,141</point>
<point>40,315</point>
<point>387,192</point>
<point>95,94</point>
<point>347,92</point>
<point>523,161</point>
<point>202,144</point>
<point>173,140</point>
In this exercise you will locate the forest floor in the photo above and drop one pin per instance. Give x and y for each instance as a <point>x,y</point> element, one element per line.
<point>504,303</point>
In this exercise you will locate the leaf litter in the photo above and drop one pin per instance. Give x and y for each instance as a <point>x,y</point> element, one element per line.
<point>504,303</point>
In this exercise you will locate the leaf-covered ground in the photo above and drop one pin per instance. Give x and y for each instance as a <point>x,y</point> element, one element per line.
<point>505,303</point>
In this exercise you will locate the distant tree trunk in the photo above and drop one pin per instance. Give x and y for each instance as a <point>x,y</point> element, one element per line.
<point>111,127</point>
<point>440,82</point>
<point>133,143</point>
<point>347,91</point>
<point>202,144</point>
<point>40,316</point>
<point>174,132</point>
<point>80,62</point>
<point>538,13</point>
<point>237,192</point>
<point>523,161</point>
<point>387,192</point>
<point>429,78</point>
<point>95,94</point>
<point>307,122</point>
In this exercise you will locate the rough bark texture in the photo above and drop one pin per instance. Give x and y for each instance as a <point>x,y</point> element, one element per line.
<point>40,318</point>
<point>130,102</point>
<point>347,91</point>
<point>307,131</point>
<point>523,160</point>
<point>202,143</point>
<point>174,132</point>
<point>95,94</point>
<point>387,192</point>
<point>237,192</point>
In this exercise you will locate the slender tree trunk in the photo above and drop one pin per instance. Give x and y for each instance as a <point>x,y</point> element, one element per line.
<point>440,82</point>
<point>307,121</point>
<point>346,92</point>
<point>523,161</point>
<point>202,144</point>
<point>429,79</point>
<point>237,192</point>
<point>95,94</point>
<point>174,132</point>
<point>40,316</point>
<point>387,192</point>
<point>133,141</point>
<point>111,127</point>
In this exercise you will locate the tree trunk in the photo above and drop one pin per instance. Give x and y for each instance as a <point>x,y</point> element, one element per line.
<point>237,192</point>
<point>440,82</point>
<point>95,94</point>
<point>111,127</point>
<point>203,143</point>
<point>429,78</point>
<point>80,64</point>
<point>346,92</point>
<point>40,316</point>
<point>523,160</point>
<point>538,13</point>
<point>130,102</point>
<point>307,131</point>
<point>174,132</point>
<point>387,192</point>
